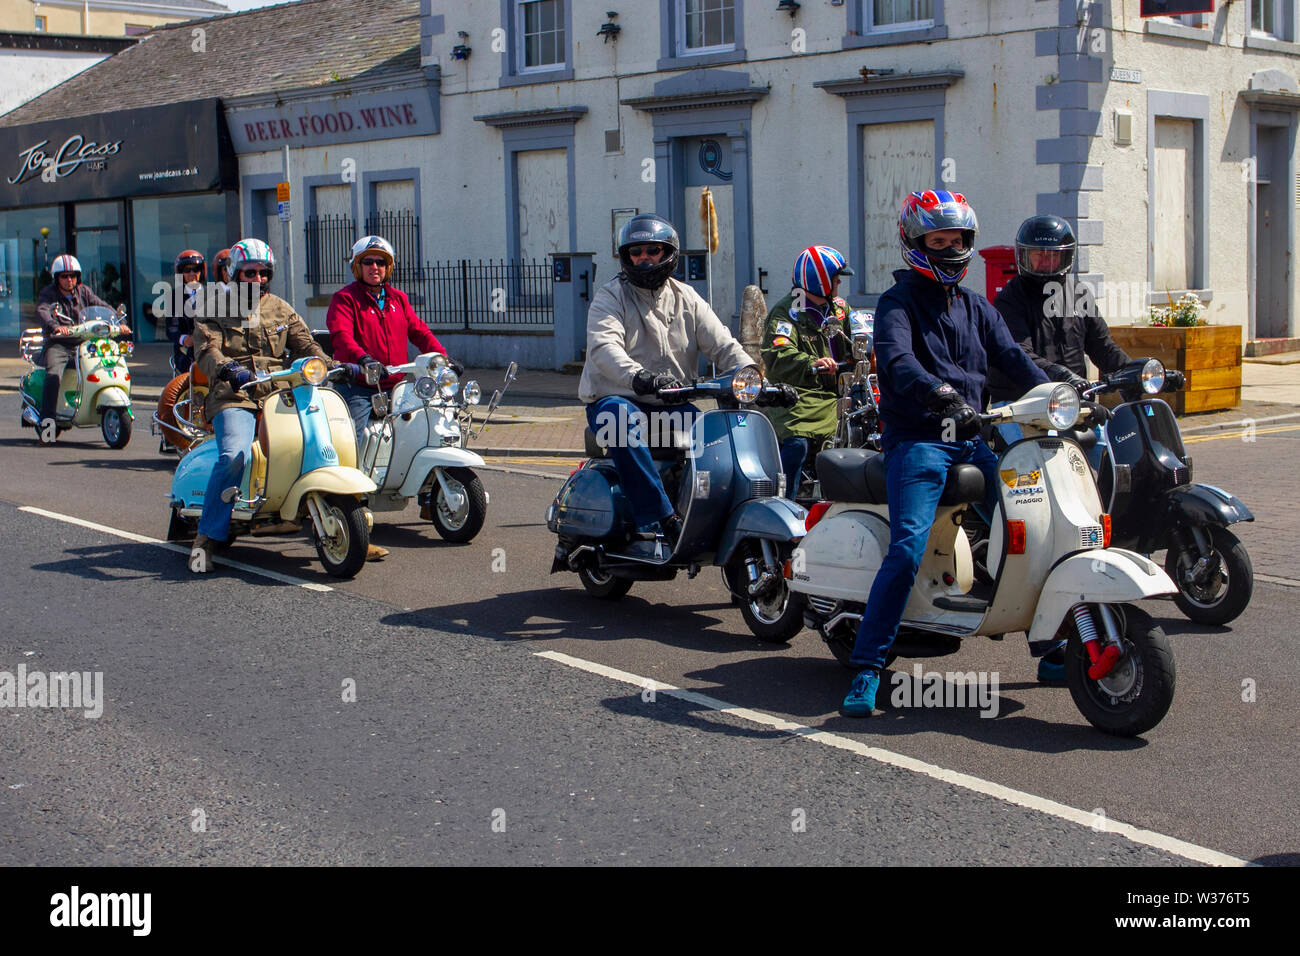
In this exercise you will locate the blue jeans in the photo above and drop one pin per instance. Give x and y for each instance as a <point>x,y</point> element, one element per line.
<point>794,450</point>
<point>234,429</point>
<point>359,407</point>
<point>621,423</point>
<point>915,476</point>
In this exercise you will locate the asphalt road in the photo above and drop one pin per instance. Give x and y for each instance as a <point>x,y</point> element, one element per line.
<point>224,695</point>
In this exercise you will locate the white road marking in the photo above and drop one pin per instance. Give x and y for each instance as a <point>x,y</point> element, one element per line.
<point>1084,818</point>
<point>1284,582</point>
<point>178,548</point>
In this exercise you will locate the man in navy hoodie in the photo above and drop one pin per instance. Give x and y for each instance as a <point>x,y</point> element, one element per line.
<point>934,342</point>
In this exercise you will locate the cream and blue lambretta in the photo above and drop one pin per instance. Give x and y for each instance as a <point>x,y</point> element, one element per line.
<point>415,447</point>
<point>1054,575</point>
<point>302,468</point>
<point>96,386</point>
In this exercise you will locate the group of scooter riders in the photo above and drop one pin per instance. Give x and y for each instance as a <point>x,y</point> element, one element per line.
<point>941,349</point>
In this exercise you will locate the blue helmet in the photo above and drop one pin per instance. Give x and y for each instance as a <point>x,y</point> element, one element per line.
<point>815,270</point>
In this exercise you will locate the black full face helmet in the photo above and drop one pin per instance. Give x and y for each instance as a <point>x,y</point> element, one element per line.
<point>643,230</point>
<point>1045,234</point>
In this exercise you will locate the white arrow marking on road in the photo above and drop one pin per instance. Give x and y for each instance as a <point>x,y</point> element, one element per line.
<point>179,549</point>
<point>1084,818</point>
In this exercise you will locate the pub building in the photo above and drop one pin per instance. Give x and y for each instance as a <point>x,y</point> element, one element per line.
<point>123,166</point>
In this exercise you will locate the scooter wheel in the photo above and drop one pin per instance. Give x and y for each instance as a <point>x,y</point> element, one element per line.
<point>1136,694</point>
<point>115,423</point>
<point>1225,596</point>
<point>602,584</point>
<point>461,524</point>
<point>345,554</point>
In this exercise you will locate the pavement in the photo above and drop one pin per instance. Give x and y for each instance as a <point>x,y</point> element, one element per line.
<point>540,415</point>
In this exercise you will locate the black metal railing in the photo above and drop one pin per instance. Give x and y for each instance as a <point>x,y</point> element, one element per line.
<point>402,230</point>
<point>496,294</point>
<point>329,249</point>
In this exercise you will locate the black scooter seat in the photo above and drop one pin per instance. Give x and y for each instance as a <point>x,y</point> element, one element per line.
<point>679,443</point>
<point>858,475</point>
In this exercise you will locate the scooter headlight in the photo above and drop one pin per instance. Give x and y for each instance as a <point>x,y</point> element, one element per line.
<point>315,371</point>
<point>1153,376</point>
<point>448,383</point>
<point>426,387</point>
<point>1063,407</point>
<point>746,384</point>
<point>472,393</point>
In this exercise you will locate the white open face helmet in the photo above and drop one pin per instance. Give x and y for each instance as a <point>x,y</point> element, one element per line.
<point>370,246</point>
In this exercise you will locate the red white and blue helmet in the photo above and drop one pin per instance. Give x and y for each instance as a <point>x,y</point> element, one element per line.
<point>816,268</point>
<point>65,263</point>
<point>934,211</point>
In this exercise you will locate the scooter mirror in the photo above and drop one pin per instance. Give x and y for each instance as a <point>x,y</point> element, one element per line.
<point>510,372</point>
<point>862,345</point>
<point>379,403</point>
<point>496,399</point>
<point>373,374</point>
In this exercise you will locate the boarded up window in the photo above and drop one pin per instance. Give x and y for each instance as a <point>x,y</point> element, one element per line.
<point>898,158</point>
<point>397,195</point>
<point>1175,195</point>
<point>543,176</point>
<point>333,200</point>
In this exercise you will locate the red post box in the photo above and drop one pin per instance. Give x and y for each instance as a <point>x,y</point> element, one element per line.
<point>999,268</point>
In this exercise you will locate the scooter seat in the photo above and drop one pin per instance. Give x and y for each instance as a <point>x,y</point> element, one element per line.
<point>858,475</point>
<point>680,441</point>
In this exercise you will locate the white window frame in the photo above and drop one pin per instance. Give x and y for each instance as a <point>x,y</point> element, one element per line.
<point>684,50</point>
<point>521,40</point>
<point>870,25</point>
<point>42,24</point>
<point>1279,19</point>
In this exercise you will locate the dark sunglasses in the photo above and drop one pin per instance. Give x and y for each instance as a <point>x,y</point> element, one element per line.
<point>651,250</point>
<point>70,275</point>
<point>186,270</point>
<point>255,273</point>
<point>375,262</point>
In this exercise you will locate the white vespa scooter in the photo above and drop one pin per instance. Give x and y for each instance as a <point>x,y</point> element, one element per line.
<point>1054,574</point>
<point>415,447</point>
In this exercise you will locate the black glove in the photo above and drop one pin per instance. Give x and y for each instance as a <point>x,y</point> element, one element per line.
<point>355,373</point>
<point>371,368</point>
<point>1174,380</point>
<point>456,367</point>
<point>1062,373</point>
<point>945,402</point>
<point>646,382</point>
<point>780,396</point>
<point>235,375</point>
<point>1098,414</point>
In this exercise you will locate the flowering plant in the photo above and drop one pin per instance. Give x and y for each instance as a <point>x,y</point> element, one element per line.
<point>1184,313</point>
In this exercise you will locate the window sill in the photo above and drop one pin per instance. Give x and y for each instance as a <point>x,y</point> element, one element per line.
<point>1162,297</point>
<point>704,59</point>
<point>1178,31</point>
<point>894,37</point>
<point>542,76</point>
<point>1276,46</point>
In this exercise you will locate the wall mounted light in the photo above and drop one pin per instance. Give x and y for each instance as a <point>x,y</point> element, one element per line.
<point>610,30</point>
<point>460,51</point>
<point>789,6</point>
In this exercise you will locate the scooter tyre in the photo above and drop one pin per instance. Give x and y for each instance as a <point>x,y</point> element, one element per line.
<point>346,557</point>
<point>115,424</point>
<point>1147,693</point>
<point>476,504</point>
<point>603,585</point>
<point>1235,562</point>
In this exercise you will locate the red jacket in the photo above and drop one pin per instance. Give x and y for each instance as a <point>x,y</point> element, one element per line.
<point>358,328</point>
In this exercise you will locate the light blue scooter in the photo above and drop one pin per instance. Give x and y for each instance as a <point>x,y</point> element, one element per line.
<point>303,465</point>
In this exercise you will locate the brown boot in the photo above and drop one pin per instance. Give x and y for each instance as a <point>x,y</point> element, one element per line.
<point>201,555</point>
<point>376,553</point>
<point>426,513</point>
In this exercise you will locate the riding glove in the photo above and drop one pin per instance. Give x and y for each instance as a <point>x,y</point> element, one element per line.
<point>945,402</point>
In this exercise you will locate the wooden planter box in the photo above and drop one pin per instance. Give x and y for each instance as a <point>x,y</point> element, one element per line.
<point>1209,355</point>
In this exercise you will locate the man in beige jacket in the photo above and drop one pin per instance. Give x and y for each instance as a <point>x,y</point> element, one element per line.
<point>646,332</point>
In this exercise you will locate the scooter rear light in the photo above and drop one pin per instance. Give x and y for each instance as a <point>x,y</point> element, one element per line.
<point>1015,537</point>
<point>815,514</point>
<point>579,468</point>
<point>1105,531</point>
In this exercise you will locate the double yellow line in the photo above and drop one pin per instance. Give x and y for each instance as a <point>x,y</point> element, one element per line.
<point>1240,433</point>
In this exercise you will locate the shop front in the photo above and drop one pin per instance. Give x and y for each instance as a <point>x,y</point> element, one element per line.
<point>124,192</point>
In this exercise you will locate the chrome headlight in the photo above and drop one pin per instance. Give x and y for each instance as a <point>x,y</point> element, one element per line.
<point>425,387</point>
<point>746,384</point>
<point>448,382</point>
<point>314,370</point>
<point>1153,376</point>
<point>472,393</point>
<point>1063,407</point>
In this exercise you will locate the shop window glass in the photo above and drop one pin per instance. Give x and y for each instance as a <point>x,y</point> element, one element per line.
<point>162,228</point>
<point>25,256</point>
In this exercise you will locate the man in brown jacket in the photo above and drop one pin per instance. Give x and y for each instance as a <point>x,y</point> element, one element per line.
<point>228,348</point>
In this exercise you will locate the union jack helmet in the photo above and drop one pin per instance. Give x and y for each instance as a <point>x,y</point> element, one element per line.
<point>933,211</point>
<point>816,268</point>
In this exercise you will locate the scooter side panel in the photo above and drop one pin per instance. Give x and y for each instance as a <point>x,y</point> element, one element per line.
<point>1105,576</point>
<point>282,438</point>
<point>342,432</point>
<point>585,506</point>
<point>427,459</point>
<point>190,482</point>
<point>705,496</point>
<point>842,554</point>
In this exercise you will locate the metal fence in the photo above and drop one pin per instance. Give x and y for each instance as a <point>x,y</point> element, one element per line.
<point>329,249</point>
<point>496,294</point>
<point>402,230</point>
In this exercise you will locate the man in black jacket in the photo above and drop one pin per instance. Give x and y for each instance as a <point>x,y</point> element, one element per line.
<point>1054,318</point>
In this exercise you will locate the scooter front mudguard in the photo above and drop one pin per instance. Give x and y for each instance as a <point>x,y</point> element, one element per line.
<point>113,396</point>
<point>1099,576</point>
<point>1205,505</point>
<point>427,459</point>
<point>330,480</point>
<point>776,519</point>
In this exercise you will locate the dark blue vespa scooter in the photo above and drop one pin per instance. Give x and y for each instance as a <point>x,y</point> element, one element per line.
<point>725,478</point>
